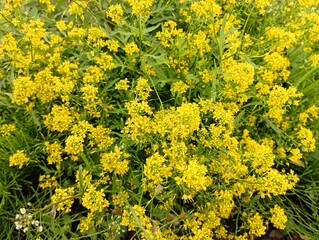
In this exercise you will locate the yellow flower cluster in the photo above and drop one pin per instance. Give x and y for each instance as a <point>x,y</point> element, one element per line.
<point>116,161</point>
<point>204,106</point>
<point>23,89</point>
<point>55,153</point>
<point>63,198</point>
<point>115,12</point>
<point>194,177</point>
<point>18,159</point>
<point>278,217</point>
<point>155,169</point>
<point>77,8</point>
<point>206,9</point>
<point>256,225</point>
<point>135,217</point>
<point>239,76</point>
<point>7,129</point>
<point>131,48</point>
<point>279,98</point>
<point>122,84</point>
<point>169,33</point>
<point>94,199</point>
<point>74,143</point>
<point>46,181</point>
<point>59,119</point>
<point>140,7</point>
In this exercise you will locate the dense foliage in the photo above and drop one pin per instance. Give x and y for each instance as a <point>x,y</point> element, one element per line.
<point>159,119</point>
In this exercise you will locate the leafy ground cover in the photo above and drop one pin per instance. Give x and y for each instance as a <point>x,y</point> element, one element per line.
<point>159,119</point>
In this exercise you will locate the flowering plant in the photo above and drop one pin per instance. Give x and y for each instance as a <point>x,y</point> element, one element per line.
<point>169,119</point>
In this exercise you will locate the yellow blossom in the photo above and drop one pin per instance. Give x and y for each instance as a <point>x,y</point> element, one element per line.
<point>46,181</point>
<point>94,199</point>
<point>278,217</point>
<point>115,12</point>
<point>296,157</point>
<point>23,89</point>
<point>55,153</point>
<point>142,88</point>
<point>122,85</point>
<point>60,118</point>
<point>105,61</point>
<point>179,87</point>
<point>116,161</point>
<point>7,129</point>
<point>63,199</point>
<point>135,217</point>
<point>77,8</point>
<point>112,45</point>
<point>155,169</point>
<point>131,48</point>
<point>140,7</point>
<point>194,177</point>
<point>256,225</point>
<point>18,159</point>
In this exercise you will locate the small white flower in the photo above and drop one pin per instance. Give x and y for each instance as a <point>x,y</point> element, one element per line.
<point>25,229</point>
<point>40,228</point>
<point>29,216</point>
<point>18,225</point>
<point>18,216</point>
<point>22,211</point>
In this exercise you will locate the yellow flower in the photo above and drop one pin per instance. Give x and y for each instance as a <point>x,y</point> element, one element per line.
<point>199,42</point>
<point>140,7</point>
<point>177,123</point>
<point>155,169</point>
<point>276,61</point>
<point>7,129</point>
<point>74,146</point>
<point>179,87</point>
<point>18,159</point>
<point>256,225</point>
<point>93,74</point>
<point>296,157</point>
<point>131,48</point>
<point>23,89</point>
<point>61,26</point>
<point>206,9</point>
<point>115,161</point>
<point>306,138</point>
<point>115,12</point>
<point>77,8</point>
<point>122,85</point>
<point>100,136</point>
<point>142,88</point>
<point>55,153</point>
<point>63,199</point>
<point>95,37</point>
<point>138,126</point>
<point>112,45</point>
<point>46,181</point>
<point>194,177</point>
<point>86,222</point>
<point>278,217</point>
<point>60,118</point>
<point>135,217</point>
<point>314,59</point>
<point>119,199</point>
<point>308,3</point>
<point>105,61</point>
<point>94,200</point>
